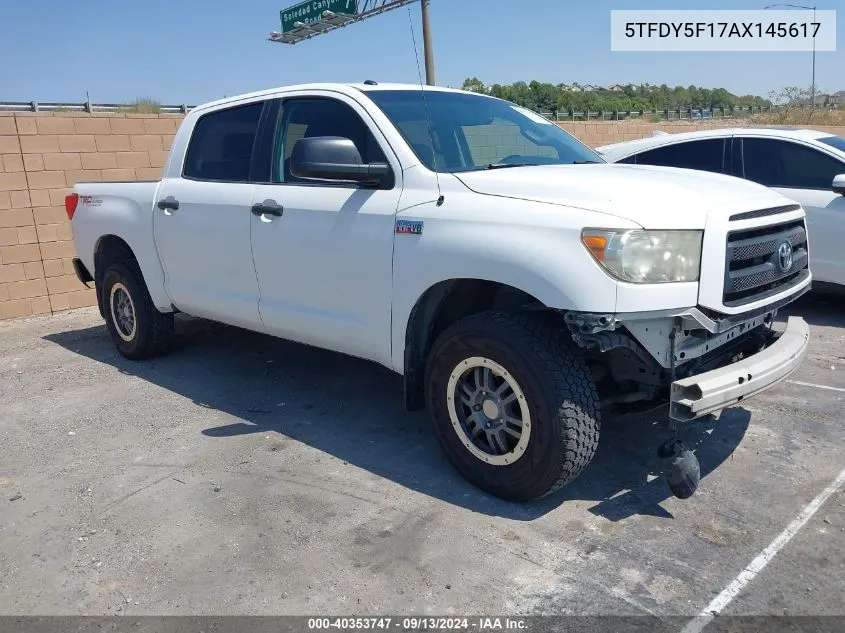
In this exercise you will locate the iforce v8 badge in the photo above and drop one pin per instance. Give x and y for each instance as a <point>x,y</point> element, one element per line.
<point>411,227</point>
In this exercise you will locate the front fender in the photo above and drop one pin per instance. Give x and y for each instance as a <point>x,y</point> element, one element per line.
<point>549,264</point>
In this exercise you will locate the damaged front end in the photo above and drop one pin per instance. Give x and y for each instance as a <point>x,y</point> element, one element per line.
<point>640,356</point>
<point>706,362</point>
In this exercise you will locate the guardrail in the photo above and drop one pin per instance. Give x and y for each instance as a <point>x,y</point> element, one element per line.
<point>35,106</point>
<point>682,114</point>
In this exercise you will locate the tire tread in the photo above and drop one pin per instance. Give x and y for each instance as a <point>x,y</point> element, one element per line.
<point>160,326</point>
<point>539,339</point>
<point>579,411</point>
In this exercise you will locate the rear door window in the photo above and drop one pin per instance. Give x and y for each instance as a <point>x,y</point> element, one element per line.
<point>221,146</point>
<point>705,155</point>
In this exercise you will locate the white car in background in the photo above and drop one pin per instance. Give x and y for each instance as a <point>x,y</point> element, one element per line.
<point>807,166</point>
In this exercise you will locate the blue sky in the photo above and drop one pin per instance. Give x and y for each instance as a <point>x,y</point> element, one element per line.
<point>186,51</point>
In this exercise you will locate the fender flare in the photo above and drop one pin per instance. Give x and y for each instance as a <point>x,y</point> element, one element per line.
<point>430,315</point>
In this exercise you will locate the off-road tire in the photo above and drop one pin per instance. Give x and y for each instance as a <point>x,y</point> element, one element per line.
<point>153,332</point>
<point>561,397</point>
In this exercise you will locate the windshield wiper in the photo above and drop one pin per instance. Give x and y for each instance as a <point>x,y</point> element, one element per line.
<point>506,165</point>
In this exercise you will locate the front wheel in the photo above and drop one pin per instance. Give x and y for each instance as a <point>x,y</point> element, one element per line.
<point>136,326</point>
<point>514,407</point>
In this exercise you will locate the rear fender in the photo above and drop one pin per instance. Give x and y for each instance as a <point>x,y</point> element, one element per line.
<point>122,210</point>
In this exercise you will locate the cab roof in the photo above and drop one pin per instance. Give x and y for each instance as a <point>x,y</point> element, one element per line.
<point>346,88</point>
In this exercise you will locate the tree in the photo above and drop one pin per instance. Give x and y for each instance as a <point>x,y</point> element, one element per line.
<point>474,84</point>
<point>544,96</point>
<point>793,100</point>
<point>548,97</point>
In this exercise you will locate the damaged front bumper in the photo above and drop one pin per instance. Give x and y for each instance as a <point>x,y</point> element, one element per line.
<point>702,394</point>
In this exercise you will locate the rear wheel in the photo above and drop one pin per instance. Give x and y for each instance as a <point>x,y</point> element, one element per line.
<point>513,405</point>
<point>136,326</point>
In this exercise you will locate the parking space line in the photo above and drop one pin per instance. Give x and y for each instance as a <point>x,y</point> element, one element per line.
<point>697,624</point>
<point>811,384</point>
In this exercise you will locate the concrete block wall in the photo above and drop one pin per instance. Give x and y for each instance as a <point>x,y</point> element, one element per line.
<point>489,143</point>
<point>42,155</point>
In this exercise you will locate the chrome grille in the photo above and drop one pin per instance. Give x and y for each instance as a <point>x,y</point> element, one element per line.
<point>755,259</point>
<point>748,249</point>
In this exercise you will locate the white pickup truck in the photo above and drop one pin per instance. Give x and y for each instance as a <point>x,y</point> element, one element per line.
<point>514,279</point>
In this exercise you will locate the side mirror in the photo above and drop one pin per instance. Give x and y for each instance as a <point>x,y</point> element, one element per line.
<point>334,158</point>
<point>839,184</point>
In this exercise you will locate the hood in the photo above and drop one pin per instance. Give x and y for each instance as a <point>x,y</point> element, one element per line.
<point>653,197</point>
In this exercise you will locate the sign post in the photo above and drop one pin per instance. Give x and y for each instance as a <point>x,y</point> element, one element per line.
<point>429,53</point>
<point>316,17</point>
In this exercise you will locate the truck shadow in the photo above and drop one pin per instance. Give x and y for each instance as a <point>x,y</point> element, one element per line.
<point>352,409</point>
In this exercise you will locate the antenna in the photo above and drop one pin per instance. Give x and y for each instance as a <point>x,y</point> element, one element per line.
<point>425,107</point>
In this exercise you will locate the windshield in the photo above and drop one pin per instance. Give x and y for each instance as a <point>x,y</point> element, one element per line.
<point>834,141</point>
<point>470,131</point>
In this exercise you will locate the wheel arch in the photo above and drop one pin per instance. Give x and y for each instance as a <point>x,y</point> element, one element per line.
<point>110,248</point>
<point>441,305</point>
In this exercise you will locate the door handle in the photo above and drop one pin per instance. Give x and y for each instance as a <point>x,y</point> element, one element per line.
<point>168,203</point>
<point>268,207</point>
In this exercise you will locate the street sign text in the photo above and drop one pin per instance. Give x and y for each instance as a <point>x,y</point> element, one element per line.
<point>311,12</point>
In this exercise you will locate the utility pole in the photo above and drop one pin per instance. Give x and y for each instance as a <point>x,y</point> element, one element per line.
<point>801,6</point>
<point>427,47</point>
<point>814,61</point>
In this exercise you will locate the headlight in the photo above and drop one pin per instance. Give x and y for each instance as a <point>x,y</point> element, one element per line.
<point>646,257</point>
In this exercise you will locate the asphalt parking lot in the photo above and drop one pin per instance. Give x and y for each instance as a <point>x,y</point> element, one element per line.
<point>245,475</point>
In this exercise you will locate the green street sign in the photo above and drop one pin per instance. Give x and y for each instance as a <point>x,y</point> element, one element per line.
<point>311,12</point>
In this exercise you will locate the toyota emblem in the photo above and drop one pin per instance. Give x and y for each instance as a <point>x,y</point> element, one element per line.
<point>785,256</point>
